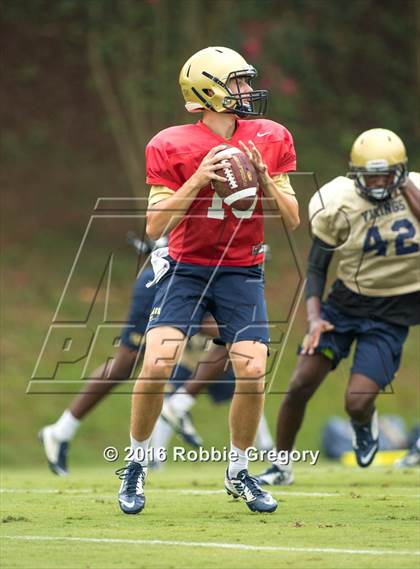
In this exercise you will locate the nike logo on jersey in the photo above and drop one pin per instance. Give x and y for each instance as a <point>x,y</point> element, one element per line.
<point>260,134</point>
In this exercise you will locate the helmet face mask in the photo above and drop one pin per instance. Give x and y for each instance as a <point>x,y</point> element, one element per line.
<point>253,103</point>
<point>211,80</point>
<point>365,182</point>
<point>378,164</point>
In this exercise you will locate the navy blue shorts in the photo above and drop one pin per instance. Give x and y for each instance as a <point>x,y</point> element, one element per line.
<point>378,344</point>
<point>233,295</point>
<point>133,332</point>
<point>220,390</point>
<point>139,312</point>
<point>224,388</point>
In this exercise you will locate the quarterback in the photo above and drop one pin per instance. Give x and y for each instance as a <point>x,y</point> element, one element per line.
<point>215,255</point>
<point>370,221</point>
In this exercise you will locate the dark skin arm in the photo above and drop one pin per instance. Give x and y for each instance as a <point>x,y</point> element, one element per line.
<point>316,325</point>
<point>319,260</point>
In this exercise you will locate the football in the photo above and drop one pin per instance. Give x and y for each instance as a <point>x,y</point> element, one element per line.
<point>241,184</point>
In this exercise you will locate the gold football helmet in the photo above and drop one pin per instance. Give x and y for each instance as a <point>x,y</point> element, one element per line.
<point>204,83</point>
<point>378,153</point>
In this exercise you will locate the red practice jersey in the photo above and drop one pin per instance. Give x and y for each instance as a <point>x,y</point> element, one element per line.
<point>211,232</point>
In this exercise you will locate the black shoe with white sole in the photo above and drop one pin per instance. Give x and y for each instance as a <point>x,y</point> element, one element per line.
<point>245,486</point>
<point>131,496</point>
<point>412,458</point>
<point>55,451</point>
<point>366,441</point>
<point>276,476</point>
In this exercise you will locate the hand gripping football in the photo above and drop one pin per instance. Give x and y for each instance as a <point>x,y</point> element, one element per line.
<point>241,184</point>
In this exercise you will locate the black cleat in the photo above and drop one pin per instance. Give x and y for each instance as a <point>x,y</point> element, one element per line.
<point>411,459</point>
<point>55,451</point>
<point>275,476</point>
<point>366,441</point>
<point>131,496</point>
<point>245,486</point>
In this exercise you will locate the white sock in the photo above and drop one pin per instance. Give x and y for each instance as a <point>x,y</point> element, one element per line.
<point>181,402</point>
<point>235,466</point>
<point>161,435</point>
<point>263,440</point>
<point>139,451</point>
<point>65,428</point>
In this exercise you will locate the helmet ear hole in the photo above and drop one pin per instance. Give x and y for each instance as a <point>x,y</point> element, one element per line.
<point>208,92</point>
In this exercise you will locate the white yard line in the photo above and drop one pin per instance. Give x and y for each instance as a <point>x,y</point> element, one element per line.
<point>184,491</point>
<point>215,545</point>
<point>97,492</point>
<point>272,490</point>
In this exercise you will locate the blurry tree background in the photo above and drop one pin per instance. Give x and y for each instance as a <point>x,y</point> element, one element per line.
<point>85,84</point>
<point>333,69</point>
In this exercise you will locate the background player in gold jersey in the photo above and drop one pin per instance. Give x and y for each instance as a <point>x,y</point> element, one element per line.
<point>370,219</point>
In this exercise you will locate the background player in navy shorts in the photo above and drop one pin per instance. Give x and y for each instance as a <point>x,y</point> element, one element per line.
<point>57,436</point>
<point>370,220</point>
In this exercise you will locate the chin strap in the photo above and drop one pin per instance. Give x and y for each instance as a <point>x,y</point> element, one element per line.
<point>194,107</point>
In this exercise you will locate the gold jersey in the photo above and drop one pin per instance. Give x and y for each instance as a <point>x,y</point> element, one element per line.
<point>377,244</point>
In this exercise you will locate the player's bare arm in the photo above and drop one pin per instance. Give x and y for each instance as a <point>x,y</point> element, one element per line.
<point>168,213</point>
<point>412,194</point>
<point>319,260</point>
<point>286,204</point>
<point>316,324</point>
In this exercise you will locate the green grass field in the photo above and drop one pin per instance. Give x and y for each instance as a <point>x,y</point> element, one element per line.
<point>60,156</point>
<point>332,517</point>
<point>373,516</point>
